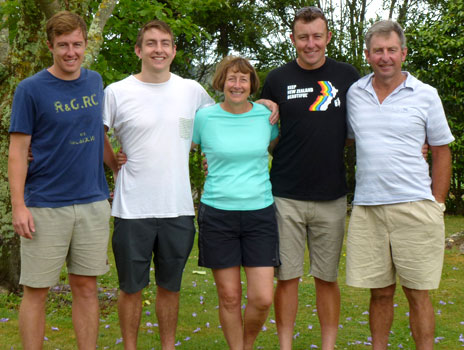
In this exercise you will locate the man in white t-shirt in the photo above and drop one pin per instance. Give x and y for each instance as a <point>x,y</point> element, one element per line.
<point>152,114</point>
<point>396,226</point>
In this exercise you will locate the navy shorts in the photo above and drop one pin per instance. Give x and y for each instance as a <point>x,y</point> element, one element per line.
<point>168,240</point>
<point>230,238</point>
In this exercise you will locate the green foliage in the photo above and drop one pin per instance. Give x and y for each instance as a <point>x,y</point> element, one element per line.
<point>436,56</point>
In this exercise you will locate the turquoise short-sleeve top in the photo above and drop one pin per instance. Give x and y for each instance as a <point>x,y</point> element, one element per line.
<point>235,146</point>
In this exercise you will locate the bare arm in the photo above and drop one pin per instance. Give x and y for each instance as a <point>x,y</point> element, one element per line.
<point>349,142</point>
<point>273,107</point>
<point>441,172</point>
<point>23,222</point>
<point>109,158</point>
<point>272,145</point>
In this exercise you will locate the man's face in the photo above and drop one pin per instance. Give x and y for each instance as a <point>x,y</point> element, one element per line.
<point>157,51</point>
<point>310,40</point>
<point>68,54</point>
<point>386,56</point>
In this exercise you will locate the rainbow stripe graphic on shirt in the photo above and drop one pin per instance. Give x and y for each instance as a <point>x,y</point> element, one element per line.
<point>328,93</point>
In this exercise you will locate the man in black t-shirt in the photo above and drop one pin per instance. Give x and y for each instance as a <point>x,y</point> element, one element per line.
<point>308,173</point>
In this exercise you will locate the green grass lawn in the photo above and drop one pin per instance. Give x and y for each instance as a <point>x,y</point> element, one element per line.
<point>198,320</point>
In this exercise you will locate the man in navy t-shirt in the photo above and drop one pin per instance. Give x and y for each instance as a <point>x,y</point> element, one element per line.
<point>59,200</point>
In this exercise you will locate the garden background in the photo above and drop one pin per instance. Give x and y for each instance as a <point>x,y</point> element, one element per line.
<point>207,30</point>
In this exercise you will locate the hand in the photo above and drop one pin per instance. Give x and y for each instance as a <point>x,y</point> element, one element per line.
<point>205,164</point>
<point>23,222</point>
<point>122,159</point>
<point>425,150</point>
<point>30,157</point>
<point>273,107</point>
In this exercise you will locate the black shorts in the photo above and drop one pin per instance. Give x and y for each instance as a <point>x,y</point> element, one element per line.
<point>135,241</point>
<point>233,238</point>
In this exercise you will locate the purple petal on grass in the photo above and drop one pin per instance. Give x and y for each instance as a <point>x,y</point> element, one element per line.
<point>340,326</point>
<point>438,312</point>
<point>296,335</point>
<point>155,324</point>
<point>348,318</point>
<point>365,313</point>
<point>178,343</point>
<point>313,346</point>
<point>367,343</point>
<point>243,306</point>
<point>362,322</point>
<point>407,314</point>
<point>148,313</point>
<point>462,322</point>
<point>400,346</point>
<point>119,341</point>
<point>194,314</point>
<point>149,324</point>
<point>437,339</point>
<point>194,283</point>
<point>395,305</point>
<point>197,330</point>
<point>207,324</point>
<point>150,331</point>
<point>264,328</point>
<point>107,326</point>
<point>4,319</point>
<point>187,338</point>
<point>55,328</point>
<point>369,338</point>
<point>272,321</point>
<point>442,302</point>
<point>310,326</point>
<point>314,310</point>
<point>455,268</point>
<point>45,338</point>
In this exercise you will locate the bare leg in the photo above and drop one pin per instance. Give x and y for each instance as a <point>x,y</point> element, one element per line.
<point>167,310</point>
<point>286,307</point>
<point>328,311</point>
<point>85,311</point>
<point>260,290</point>
<point>229,291</point>
<point>381,315</point>
<point>421,318</point>
<point>32,317</point>
<point>129,310</point>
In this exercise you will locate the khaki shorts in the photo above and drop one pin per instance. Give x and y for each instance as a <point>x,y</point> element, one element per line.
<point>77,234</point>
<point>405,239</point>
<point>320,225</point>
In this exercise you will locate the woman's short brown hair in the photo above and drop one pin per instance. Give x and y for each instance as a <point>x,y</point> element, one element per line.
<point>239,64</point>
<point>65,22</point>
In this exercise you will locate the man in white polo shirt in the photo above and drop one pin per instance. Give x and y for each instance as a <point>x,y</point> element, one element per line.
<point>397,227</point>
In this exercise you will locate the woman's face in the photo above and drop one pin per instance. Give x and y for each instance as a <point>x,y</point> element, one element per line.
<point>237,87</point>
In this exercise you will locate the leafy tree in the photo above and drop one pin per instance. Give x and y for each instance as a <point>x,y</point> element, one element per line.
<point>436,56</point>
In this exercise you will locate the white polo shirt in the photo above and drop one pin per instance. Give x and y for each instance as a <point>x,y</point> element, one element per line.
<point>390,167</point>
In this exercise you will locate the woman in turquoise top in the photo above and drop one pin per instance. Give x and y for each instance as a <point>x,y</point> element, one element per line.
<point>236,215</point>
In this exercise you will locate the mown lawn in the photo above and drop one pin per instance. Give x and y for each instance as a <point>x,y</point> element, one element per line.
<point>198,321</point>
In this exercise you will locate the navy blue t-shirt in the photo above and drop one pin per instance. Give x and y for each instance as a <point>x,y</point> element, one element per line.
<point>64,119</point>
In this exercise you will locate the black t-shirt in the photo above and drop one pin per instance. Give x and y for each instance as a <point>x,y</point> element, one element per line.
<point>308,160</point>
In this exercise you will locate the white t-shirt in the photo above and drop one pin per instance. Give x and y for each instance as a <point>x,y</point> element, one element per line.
<point>389,136</point>
<point>153,123</point>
